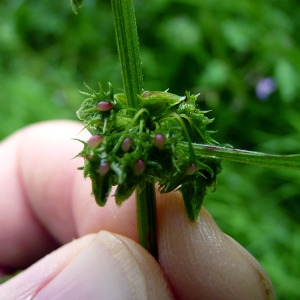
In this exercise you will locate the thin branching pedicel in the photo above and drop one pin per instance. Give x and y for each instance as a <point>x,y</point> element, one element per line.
<point>132,146</point>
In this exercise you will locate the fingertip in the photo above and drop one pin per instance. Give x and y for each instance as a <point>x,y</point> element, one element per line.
<point>156,283</point>
<point>206,264</point>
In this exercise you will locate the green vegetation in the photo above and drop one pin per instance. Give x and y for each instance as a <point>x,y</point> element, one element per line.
<point>219,49</point>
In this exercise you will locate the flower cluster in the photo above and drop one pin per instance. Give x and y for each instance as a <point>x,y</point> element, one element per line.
<point>130,146</point>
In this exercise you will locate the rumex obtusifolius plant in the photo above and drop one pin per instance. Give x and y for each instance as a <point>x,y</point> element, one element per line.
<point>140,138</point>
<point>132,146</point>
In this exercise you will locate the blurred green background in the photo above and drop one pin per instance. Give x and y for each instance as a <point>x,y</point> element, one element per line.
<point>222,49</point>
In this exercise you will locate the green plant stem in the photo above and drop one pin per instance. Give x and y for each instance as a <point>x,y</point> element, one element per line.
<point>130,59</point>
<point>243,156</point>
<point>147,221</point>
<point>128,49</point>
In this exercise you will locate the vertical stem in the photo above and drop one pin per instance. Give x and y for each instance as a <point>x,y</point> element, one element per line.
<point>146,215</point>
<point>131,65</point>
<point>128,49</point>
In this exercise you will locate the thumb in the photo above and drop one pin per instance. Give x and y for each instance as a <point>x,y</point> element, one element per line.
<point>96,266</point>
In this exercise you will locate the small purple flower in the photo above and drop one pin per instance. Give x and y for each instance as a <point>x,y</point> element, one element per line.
<point>126,144</point>
<point>265,87</point>
<point>104,168</point>
<point>192,168</point>
<point>105,105</point>
<point>159,141</point>
<point>95,140</point>
<point>139,167</point>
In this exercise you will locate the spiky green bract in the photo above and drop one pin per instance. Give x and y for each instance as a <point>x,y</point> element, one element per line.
<point>194,190</point>
<point>156,131</point>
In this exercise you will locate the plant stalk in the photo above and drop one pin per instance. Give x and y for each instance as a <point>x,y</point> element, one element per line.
<point>128,49</point>
<point>243,156</point>
<point>131,66</point>
<point>146,215</point>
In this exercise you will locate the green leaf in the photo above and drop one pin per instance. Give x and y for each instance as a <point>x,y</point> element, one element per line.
<point>287,79</point>
<point>158,103</point>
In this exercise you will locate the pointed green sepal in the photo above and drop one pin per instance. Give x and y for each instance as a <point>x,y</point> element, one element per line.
<point>193,194</point>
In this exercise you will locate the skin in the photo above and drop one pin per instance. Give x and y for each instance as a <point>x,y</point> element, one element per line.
<point>73,249</point>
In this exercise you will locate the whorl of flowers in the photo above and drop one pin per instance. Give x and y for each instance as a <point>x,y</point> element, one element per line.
<point>129,146</point>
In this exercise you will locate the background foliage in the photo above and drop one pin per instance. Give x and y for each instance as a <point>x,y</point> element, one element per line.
<point>221,49</point>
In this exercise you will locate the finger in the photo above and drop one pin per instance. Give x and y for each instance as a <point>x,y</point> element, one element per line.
<point>68,209</point>
<point>206,263</point>
<point>57,197</point>
<point>44,198</point>
<point>97,266</point>
<point>20,230</point>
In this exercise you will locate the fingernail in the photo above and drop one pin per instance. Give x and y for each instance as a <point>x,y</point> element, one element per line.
<point>105,269</point>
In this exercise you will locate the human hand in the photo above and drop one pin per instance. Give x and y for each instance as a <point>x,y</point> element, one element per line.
<point>46,204</point>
